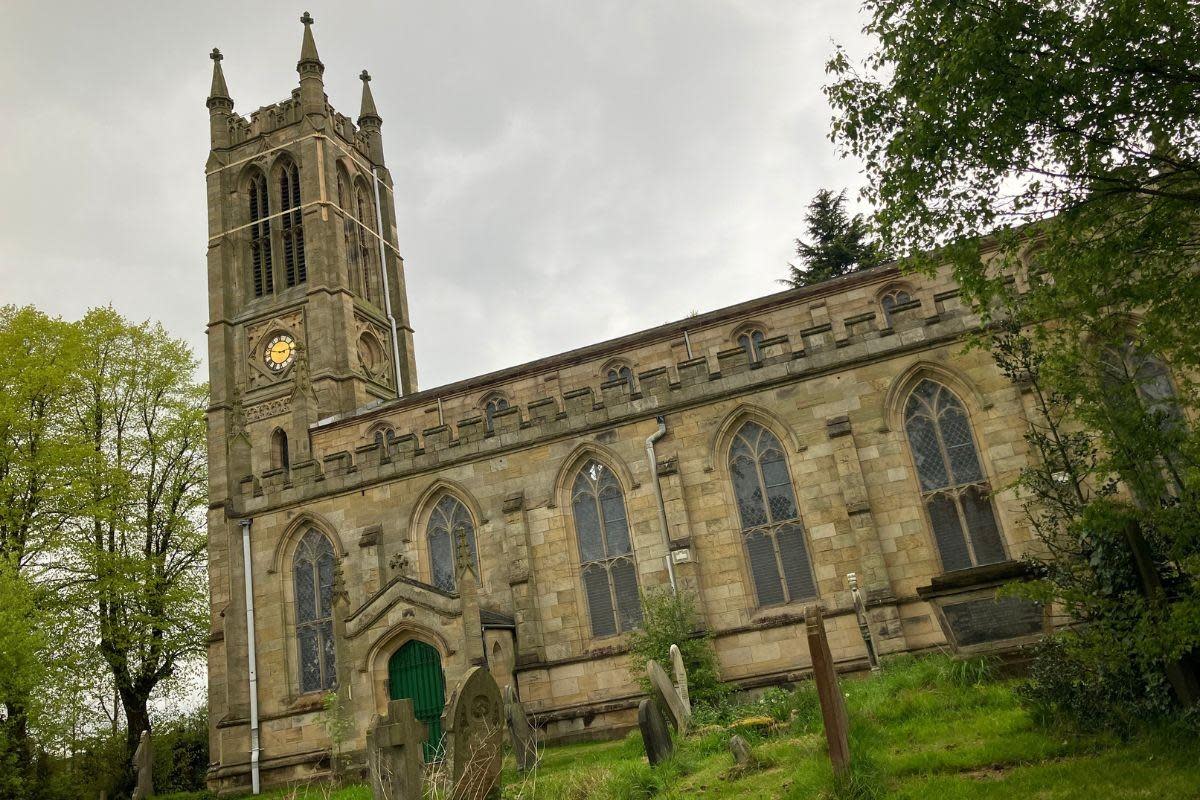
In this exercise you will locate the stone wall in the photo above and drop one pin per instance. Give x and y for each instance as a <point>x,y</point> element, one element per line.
<point>833,376</point>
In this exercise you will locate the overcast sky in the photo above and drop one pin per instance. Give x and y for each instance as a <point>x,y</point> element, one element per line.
<point>566,171</point>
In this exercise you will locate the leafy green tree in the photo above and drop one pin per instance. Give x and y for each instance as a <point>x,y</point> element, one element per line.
<point>138,549</point>
<point>838,243</point>
<point>1050,152</point>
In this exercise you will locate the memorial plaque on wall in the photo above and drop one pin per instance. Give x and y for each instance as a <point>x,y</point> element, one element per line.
<point>990,619</point>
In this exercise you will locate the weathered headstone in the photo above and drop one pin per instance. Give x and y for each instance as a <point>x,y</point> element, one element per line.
<point>681,683</point>
<point>833,704</point>
<point>662,691</point>
<point>523,739</point>
<point>143,768</point>
<point>656,737</point>
<point>864,627</point>
<point>742,757</point>
<point>474,723</point>
<point>394,746</point>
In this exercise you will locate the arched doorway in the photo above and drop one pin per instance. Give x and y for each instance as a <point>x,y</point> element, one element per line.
<point>415,672</point>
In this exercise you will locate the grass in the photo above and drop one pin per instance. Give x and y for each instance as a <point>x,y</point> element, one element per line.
<point>922,728</point>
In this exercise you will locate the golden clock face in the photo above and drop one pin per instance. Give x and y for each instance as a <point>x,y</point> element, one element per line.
<point>280,352</point>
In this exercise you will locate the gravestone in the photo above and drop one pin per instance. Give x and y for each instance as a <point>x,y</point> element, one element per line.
<point>833,704</point>
<point>681,683</point>
<point>474,723</point>
<point>662,691</point>
<point>656,737</point>
<point>742,757</point>
<point>864,627</point>
<point>394,746</point>
<point>523,739</point>
<point>143,768</point>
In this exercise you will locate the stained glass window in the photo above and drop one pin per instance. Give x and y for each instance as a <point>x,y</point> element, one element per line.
<point>605,551</point>
<point>312,572</point>
<point>448,520</point>
<point>953,485</point>
<point>771,526</point>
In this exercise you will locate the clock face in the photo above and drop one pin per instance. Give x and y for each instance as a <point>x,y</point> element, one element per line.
<point>280,352</point>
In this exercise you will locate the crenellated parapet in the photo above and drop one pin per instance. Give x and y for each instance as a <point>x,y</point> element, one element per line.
<point>786,356</point>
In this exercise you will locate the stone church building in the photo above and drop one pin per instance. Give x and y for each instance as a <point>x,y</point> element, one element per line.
<point>373,538</point>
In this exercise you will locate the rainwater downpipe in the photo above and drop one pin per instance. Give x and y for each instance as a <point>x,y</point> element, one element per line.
<point>387,294</point>
<point>254,739</point>
<point>658,495</point>
<point>687,344</point>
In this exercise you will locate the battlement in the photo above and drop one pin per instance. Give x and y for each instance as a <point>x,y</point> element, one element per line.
<point>786,357</point>
<point>268,119</point>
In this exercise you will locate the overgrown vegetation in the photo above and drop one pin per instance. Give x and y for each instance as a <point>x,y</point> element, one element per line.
<point>924,727</point>
<point>1050,153</point>
<point>670,618</point>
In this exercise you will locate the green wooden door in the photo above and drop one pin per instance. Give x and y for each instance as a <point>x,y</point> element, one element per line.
<point>415,672</point>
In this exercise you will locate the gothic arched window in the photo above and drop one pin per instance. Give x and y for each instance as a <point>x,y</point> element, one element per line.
<point>385,440</point>
<point>294,268</point>
<point>262,279</point>
<point>751,341</point>
<point>605,551</point>
<point>1129,368</point>
<point>447,522</point>
<point>367,254</point>
<point>312,572</point>
<point>620,372</point>
<point>771,525</point>
<point>891,299</point>
<point>491,407</point>
<point>953,485</point>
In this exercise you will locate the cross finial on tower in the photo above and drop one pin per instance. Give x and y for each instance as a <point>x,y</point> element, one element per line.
<point>367,113</point>
<point>306,18</point>
<point>215,55</point>
<point>366,76</point>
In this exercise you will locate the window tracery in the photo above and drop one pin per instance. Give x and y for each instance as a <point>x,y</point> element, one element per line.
<point>312,574</point>
<point>953,485</point>
<point>449,520</point>
<point>772,528</point>
<point>607,565</point>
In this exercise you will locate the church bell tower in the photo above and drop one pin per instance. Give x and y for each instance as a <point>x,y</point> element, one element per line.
<point>308,314</point>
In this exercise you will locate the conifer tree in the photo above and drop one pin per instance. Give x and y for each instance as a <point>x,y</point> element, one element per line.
<point>838,243</point>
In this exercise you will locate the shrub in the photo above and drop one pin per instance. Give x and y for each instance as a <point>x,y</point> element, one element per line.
<point>1086,678</point>
<point>670,618</point>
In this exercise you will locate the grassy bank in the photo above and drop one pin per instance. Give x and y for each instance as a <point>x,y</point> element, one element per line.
<point>923,728</point>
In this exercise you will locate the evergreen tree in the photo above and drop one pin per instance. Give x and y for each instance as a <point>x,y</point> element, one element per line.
<point>839,243</point>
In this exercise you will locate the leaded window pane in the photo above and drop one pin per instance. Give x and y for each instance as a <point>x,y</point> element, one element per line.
<point>306,592</point>
<point>922,438</point>
<point>981,522</point>
<point>310,660</point>
<point>325,583</point>
<point>599,599</point>
<point>748,492</point>
<point>616,527</point>
<point>441,556</point>
<point>327,653</point>
<point>449,519</point>
<point>764,569</point>
<point>960,447</point>
<point>947,531</point>
<point>797,572</point>
<point>587,528</point>
<point>625,586</point>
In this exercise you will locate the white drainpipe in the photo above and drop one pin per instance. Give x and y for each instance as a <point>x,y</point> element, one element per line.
<point>658,495</point>
<point>254,742</point>
<point>387,294</point>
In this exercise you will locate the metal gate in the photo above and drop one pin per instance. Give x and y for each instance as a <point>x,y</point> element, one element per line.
<point>415,672</point>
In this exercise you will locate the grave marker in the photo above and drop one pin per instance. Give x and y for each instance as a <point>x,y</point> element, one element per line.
<point>143,768</point>
<point>394,748</point>
<point>523,738</point>
<point>474,722</point>
<point>662,691</point>
<point>656,737</point>
<point>833,704</point>
<point>681,681</point>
